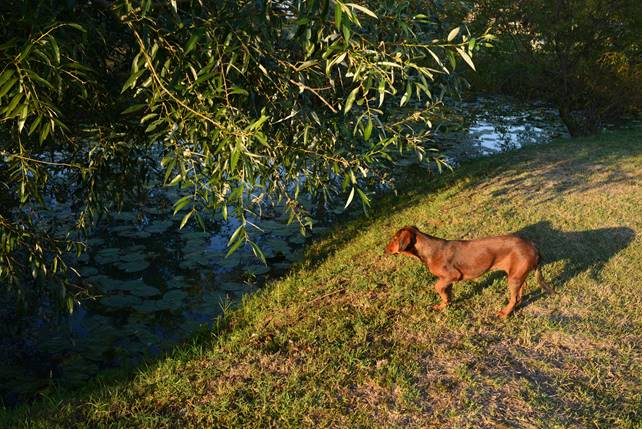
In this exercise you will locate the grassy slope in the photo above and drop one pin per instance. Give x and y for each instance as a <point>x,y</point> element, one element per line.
<point>347,340</point>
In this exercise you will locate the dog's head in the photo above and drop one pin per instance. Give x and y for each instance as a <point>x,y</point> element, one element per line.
<point>403,241</point>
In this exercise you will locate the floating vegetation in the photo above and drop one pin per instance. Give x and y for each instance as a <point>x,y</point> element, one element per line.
<point>107,256</point>
<point>159,226</point>
<point>233,286</point>
<point>133,266</point>
<point>140,289</point>
<point>194,260</point>
<point>120,301</point>
<point>257,269</point>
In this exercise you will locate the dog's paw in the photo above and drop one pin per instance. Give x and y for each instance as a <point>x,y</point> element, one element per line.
<point>439,307</point>
<point>503,314</point>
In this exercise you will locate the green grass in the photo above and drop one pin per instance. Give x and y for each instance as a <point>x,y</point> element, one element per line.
<point>348,340</point>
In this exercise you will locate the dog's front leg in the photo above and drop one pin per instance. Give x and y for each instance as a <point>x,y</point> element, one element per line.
<point>444,289</point>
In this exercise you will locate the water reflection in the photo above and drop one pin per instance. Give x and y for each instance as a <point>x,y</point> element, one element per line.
<point>486,126</point>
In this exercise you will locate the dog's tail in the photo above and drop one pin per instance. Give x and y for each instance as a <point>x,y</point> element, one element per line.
<point>541,282</point>
<point>540,278</point>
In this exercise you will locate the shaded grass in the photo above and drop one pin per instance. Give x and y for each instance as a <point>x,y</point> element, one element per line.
<point>348,340</point>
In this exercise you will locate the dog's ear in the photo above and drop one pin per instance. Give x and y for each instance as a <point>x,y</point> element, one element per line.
<point>406,238</point>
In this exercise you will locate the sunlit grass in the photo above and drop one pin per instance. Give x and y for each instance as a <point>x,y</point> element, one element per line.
<point>348,340</point>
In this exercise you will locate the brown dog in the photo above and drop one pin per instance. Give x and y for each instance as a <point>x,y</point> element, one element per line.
<point>456,260</point>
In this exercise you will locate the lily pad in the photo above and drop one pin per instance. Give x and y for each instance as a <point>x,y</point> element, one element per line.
<point>197,245</point>
<point>132,256</point>
<point>136,248</point>
<point>229,262</point>
<point>95,242</point>
<point>195,235</point>
<point>177,283</point>
<point>159,226</point>
<point>297,239</point>
<point>88,271</point>
<point>121,228</point>
<point>120,301</point>
<point>174,298</point>
<point>294,256</point>
<point>192,260</point>
<point>77,369</point>
<point>134,266</point>
<point>281,265</point>
<point>148,306</point>
<point>139,288</point>
<point>257,269</point>
<point>278,245</point>
<point>232,286</point>
<point>211,301</point>
<point>107,256</point>
<point>105,283</point>
<point>135,234</point>
<point>124,216</point>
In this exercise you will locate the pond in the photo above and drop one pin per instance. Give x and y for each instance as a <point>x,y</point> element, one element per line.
<point>157,285</point>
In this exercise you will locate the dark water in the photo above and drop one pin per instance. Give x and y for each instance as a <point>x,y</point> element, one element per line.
<point>156,285</point>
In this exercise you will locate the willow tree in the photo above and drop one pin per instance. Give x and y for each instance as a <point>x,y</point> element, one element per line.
<point>237,103</point>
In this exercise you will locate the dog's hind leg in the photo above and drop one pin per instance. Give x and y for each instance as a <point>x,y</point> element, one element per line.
<point>444,289</point>
<point>520,292</point>
<point>515,285</point>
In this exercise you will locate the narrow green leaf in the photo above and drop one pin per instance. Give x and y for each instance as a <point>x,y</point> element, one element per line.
<point>345,29</point>
<point>466,57</point>
<point>175,180</point>
<point>236,233</point>
<point>236,245</point>
<point>23,117</point>
<point>257,251</point>
<point>406,95</point>
<point>238,90</point>
<point>7,86</point>
<point>453,33</point>
<point>147,117</point>
<point>77,26</point>
<point>35,124</point>
<point>368,131</point>
<point>131,81</point>
<point>5,76</point>
<point>350,197</point>
<point>181,203</point>
<point>186,218</point>
<point>362,9</point>
<point>350,100</point>
<point>55,48</point>
<point>169,168</point>
<point>34,76</point>
<point>364,198</point>
<point>44,131</point>
<point>191,43</point>
<point>236,152</point>
<point>12,105</point>
<point>134,108</point>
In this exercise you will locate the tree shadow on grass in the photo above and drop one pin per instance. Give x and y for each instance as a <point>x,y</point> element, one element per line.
<point>582,251</point>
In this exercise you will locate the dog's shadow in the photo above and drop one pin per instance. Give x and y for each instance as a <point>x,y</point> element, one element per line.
<point>582,251</point>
